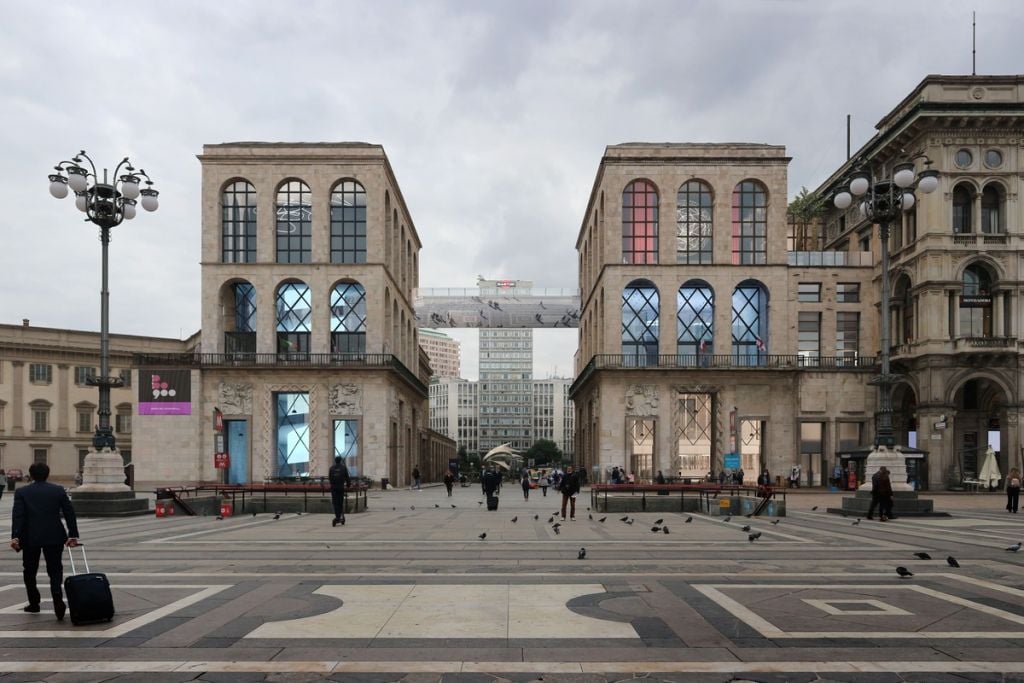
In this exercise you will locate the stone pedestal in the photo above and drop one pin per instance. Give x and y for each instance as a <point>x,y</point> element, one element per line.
<point>905,502</point>
<point>103,492</point>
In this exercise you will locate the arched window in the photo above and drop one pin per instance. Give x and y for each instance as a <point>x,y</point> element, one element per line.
<point>695,316</point>
<point>348,318</point>
<point>694,223</point>
<point>903,299</point>
<point>294,223</point>
<point>976,303</point>
<point>640,323</point>
<point>293,317</point>
<point>348,223</point>
<point>640,223</point>
<point>238,223</point>
<point>962,219</point>
<point>749,223</point>
<point>991,210</point>
<point>750,323</point>
<point>240,330</point>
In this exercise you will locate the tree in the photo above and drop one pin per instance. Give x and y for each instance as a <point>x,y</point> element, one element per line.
<point>804,211</point>
<point>544,452</point>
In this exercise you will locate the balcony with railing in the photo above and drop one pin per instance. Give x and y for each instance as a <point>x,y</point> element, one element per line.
<point>291,361</point>
<point>701,362</point>
<point>985,342</point>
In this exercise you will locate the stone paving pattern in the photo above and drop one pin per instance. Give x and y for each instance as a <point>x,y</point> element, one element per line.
<point>409,592</point>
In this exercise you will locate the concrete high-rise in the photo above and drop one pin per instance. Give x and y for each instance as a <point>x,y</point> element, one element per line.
<point>506,390</point>
<point>443,352</point>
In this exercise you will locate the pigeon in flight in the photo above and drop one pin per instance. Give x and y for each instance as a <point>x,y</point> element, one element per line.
<point>1013,548</point>
<point>922,556</point>
<point>483,536</point>
<point>515,519</point>
<point>688,519</point>
<point>602,519</point>
<point>904,572</point>
<point>754,536</point>
<point>659,521</point>
<point>951,561</point>
<point>746,527</point>
<point>582,554</point>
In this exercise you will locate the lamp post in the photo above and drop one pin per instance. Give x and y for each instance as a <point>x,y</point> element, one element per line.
<point>105,203</point>
<point>883,201</point>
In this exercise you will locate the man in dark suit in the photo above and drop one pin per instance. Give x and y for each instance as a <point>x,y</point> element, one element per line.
<point>339,479</point>
<point>36,528</point>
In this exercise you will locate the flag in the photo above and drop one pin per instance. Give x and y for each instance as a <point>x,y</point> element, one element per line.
<point>761,346</point>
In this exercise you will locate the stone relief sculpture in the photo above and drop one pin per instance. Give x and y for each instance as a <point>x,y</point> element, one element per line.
<point>344,399</point>
<point>642,399</point>
<point>235,398</point>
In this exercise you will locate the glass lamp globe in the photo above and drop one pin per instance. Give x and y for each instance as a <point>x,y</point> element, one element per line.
<point>843,199</point>
<point>129,209</point>
<point>904,175</point>
<point>149,200</point>
<point>129,187</point>
<point>77,178</point>
<point>859,185</point>
<point>908,201</point>
<point>928,181</point>
<point>58,186</point>
<point>80,201</point>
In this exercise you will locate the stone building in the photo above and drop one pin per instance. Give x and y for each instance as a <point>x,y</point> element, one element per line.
<point>443,351</point>
<point>955,269</point>
<point>309,348</point>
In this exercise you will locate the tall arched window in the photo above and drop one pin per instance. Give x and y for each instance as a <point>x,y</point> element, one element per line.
<point>348,223</point>
<point>695,317</point>
<point>991,210</point>
<point>640,222</point>
<point>749,223</point>
<point>976,302</point>
<point>963,222</point>
<point>240,331</point>
<point>750,323</point>
<point>640,323</point>
<point>694,223</point>
<point>293,317</point>
<point>294,223</point>
<point>238,223</point>
<point>903,299</point>
<point>348,318</point>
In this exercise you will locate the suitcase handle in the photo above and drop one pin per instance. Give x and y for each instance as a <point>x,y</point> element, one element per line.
<point>85,559</point>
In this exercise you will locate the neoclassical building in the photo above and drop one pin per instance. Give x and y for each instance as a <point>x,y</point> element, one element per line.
<point>733,339</point>
<point>309,348</point>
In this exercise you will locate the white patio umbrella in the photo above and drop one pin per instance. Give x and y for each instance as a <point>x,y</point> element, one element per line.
<point>990,473</point>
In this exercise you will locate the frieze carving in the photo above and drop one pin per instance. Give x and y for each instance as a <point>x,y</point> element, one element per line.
<point>1011,419</point>
<point>234,398</point>
<point>642,399</point>
<point>344,399</point>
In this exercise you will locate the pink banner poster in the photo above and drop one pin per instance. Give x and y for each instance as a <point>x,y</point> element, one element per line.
<point>165,392</point>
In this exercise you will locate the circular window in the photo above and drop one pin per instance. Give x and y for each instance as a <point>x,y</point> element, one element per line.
<point>993,158</point>
<point>963,158</point>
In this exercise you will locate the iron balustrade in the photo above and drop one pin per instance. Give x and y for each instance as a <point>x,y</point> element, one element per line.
<point>704,492</point>
<point>385,361</point>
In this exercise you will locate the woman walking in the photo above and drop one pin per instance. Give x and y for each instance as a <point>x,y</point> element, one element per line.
<point>1012,490</point>
<point>526,485</point>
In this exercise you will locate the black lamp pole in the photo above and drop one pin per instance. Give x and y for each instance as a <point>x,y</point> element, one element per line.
<point>106,204</point>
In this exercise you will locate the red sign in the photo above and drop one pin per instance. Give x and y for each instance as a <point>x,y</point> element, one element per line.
<point>218,420</point>
<point>221,461</point>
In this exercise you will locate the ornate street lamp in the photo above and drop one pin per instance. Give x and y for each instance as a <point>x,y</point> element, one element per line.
<point>105,203</point>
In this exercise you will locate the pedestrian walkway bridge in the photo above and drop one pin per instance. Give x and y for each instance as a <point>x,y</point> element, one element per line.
<point>492,307</point>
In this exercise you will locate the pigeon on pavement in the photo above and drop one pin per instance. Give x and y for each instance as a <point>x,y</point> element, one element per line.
<point>483,536</point>
<point>659,521</point>
<point>904,572</point>
<point>776,521</point>
<point>536,517</point>
<point>453,506</point>
<point>219,517</point>
<point>857,522</point>
<point>689,519</point>
<point>922,556</point>
<point>727,518</point>
<point>602,519</point>
<point>655,529</point>
<point>664,529</point>
<point>550,519</point>
<point>590,516</point>
<point>1013,548</point>
<point>253,513</point>
<point>436,505</point>
<point>814,508</point>
<point>951,561</point>
<point>557,531</point>
<point>630,522</point>
<point>754,536</point>
<point>277,515</point>
<point>746,527</point>
<point>623,519</point>
<point>582,554</point>
<point>515,519</point>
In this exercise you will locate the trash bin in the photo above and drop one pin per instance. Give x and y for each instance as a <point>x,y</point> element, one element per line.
<point>383,483</point>
<point>10,484</point>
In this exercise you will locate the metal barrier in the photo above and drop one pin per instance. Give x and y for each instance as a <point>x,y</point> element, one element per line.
<point>318,488</point>
<point>705,492</point>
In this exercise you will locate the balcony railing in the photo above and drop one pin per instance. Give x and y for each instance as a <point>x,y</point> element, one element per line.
<point>384,361</point>
<point>722,362</point>
<point>986,342</point>
<point>967,239</point>
<point>994,239</point>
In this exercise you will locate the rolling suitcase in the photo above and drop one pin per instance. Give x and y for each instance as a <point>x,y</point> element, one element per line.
<point>492,502</point>
<point>88,595</point>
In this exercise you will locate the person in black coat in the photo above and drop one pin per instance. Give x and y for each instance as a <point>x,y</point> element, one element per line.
<point>339,480</point>
<point>36,528</point>
<point>570,488</point>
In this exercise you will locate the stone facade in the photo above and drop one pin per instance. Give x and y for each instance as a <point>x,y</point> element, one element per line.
<point>443,352</point>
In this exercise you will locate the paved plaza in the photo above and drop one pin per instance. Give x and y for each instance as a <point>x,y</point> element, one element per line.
<point>414,594</point>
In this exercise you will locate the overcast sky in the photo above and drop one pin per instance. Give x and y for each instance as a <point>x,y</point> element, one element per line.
<point>494,116</point>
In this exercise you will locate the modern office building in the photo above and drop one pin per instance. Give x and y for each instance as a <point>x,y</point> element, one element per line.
<point>506,389</point>
<point>455,411</point>
<point>443,352</point>
<point>553,416</point>
<point>709,346</point>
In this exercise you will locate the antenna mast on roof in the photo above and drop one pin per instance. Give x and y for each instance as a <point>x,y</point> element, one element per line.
<point>974,44</point>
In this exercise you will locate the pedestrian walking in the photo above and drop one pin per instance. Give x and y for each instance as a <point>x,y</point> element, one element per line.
<point>1012,490</point>
<point>545,482</point>
<point>416,478</point>
<point>491,484</point>
<point>36,528</point>
<point>449,481</point>
<point>875,479</point>
<point>885,495</point>
<point>570,488</point>
<point>526,485</point>
<point>660,479</point>
<point>339,480</point>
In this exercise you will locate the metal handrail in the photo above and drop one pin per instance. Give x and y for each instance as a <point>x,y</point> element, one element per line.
<point>705,492</point>
<point>256,490</point>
